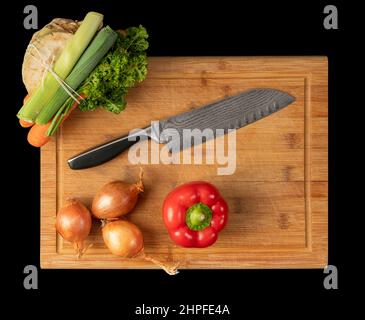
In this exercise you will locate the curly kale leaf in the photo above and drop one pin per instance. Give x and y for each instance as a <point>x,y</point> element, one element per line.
<point>122,68</point>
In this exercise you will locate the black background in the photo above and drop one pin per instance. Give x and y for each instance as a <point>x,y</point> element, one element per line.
<point>186,28</point>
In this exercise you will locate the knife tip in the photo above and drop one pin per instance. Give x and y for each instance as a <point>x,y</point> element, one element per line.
<point>291,98</point>
<point>72,165</point>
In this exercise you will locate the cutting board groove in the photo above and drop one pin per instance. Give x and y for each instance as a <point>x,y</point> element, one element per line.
<point>277,194</point>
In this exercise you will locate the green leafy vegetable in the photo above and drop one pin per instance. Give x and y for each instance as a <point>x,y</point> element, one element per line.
<point>122,68</point>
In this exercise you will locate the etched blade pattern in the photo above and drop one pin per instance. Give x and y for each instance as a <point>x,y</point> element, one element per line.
<point>230,113</point>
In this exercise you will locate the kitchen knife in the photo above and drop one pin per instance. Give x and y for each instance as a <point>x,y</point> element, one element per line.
<point>230,113</point>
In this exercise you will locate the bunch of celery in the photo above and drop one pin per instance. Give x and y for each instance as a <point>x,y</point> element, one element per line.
<point>106,87</point>
<point>95,70</point>
<point>63,66</point>
<point>102,43</point>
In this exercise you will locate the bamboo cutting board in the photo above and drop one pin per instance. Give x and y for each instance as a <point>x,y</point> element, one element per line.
<point>277,195</point>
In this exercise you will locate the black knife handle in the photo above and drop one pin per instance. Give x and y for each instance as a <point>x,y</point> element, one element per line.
<point>102,153</point>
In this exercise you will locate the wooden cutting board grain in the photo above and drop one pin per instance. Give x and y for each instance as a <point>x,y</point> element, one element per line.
<point>277,195</point>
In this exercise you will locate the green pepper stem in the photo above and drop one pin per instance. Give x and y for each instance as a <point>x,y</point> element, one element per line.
<point>198,216</point>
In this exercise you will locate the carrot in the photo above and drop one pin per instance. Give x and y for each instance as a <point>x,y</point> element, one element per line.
<point>37,135</point>
<point>23,123</point>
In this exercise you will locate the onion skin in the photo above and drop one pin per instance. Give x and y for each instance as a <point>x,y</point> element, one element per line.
<point>73,222</point>
<point>116,199</point>
<point>123,238</point>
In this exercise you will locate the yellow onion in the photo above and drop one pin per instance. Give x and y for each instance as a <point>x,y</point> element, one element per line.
<point>73,223</point>
<point>116,199</point>
<point>123,238</point>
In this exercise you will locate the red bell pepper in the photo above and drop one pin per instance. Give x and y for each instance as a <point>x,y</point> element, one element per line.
<point>194,213</point>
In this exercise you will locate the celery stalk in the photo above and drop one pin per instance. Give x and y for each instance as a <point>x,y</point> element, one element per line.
<point>58,118</point>
<point>98,48</point>
<point>63,66</point>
